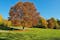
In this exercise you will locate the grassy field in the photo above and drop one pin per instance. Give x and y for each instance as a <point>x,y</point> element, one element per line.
<point>31,34</point>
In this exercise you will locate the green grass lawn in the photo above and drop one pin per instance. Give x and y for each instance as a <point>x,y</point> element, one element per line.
<point>31,34</point>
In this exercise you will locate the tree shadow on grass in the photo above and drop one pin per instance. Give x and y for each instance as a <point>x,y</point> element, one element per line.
<point>7,28</point>
<point>3,39</point>
<point>54,38</point>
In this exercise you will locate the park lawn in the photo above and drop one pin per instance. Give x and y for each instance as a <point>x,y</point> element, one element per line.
<point>31,34</point>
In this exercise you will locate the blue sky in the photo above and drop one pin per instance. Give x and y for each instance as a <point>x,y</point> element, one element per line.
<point>47,8</point>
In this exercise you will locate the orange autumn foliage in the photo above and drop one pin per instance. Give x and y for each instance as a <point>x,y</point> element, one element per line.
<point>24,14</point>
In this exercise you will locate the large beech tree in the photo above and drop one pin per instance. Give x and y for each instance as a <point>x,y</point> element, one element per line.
<point>24,14</point>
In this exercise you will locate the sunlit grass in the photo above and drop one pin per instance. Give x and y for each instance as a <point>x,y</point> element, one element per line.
<point>31,34</point>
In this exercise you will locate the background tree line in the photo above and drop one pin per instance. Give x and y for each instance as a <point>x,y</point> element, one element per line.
<point>43,23</point>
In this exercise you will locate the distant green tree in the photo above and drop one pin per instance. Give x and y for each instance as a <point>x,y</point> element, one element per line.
<point>58,22</point>
<point>42,23</point>
<point>52,23</point>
